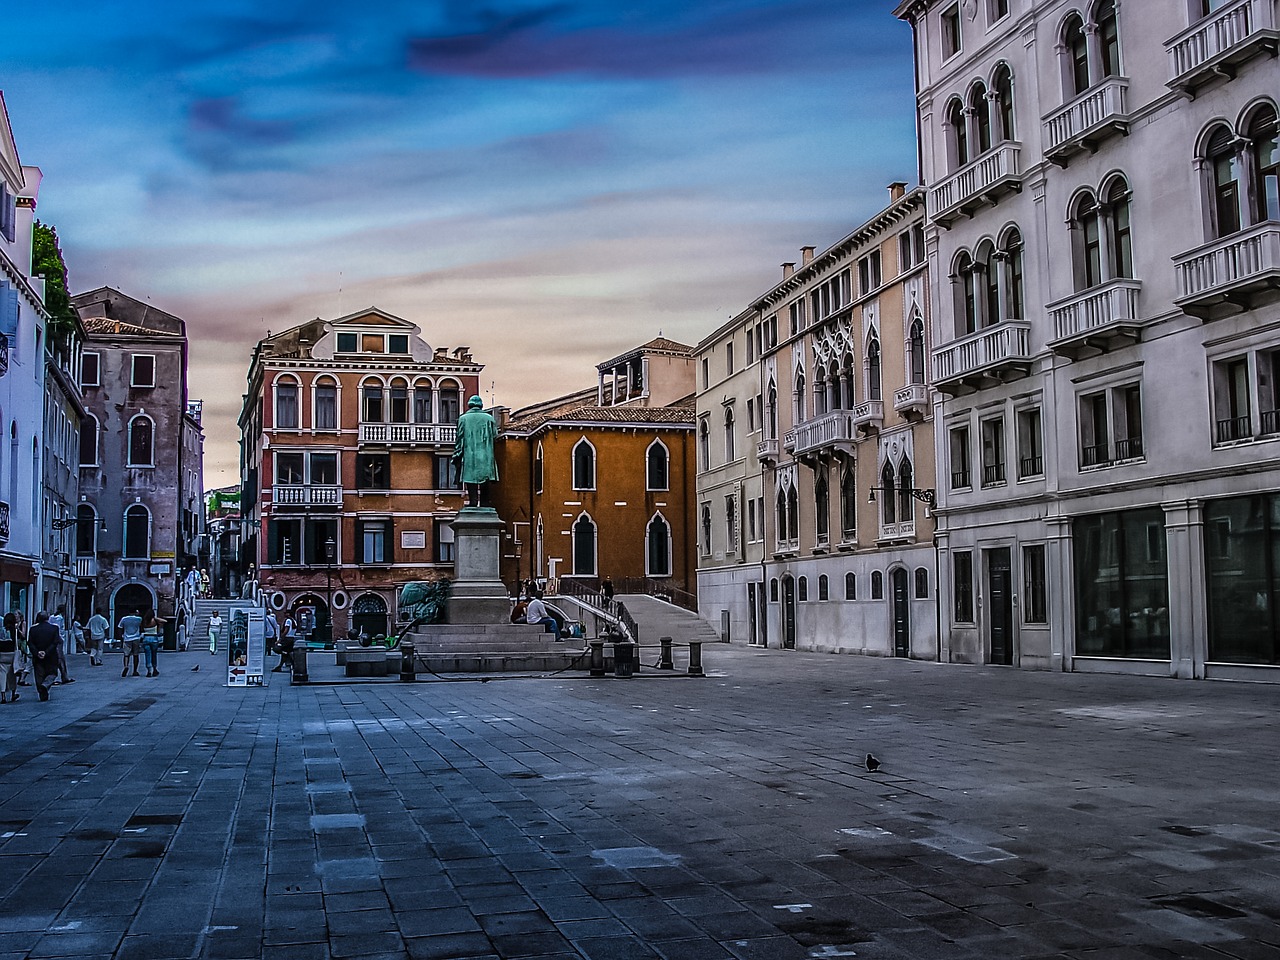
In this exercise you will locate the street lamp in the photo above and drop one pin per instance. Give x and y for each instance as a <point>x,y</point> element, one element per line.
<point>329,551</point>
<point>924,496</point>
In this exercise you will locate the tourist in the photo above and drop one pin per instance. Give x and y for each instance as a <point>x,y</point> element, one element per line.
<point>152,636</point>
<point>288,639</point>
<point>215,630</point>
<point>59,620</point>
<point>43,642</point>
<point>130,640</point>
<point>8,653</point>
<point>96,628</point>
<point>536,612</point>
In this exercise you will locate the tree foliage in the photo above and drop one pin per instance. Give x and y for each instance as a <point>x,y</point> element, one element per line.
<point>46,261</point>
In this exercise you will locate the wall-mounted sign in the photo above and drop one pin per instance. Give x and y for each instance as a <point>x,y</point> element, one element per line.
<point>413,539</point>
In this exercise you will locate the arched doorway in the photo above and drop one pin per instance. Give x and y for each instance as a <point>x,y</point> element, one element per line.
<point>311,614</point>
<point>369,613</point>
<point>789,612</point>
<point>131,598</point>
<point>901,613</point>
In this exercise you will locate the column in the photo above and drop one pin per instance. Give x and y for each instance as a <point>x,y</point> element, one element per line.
<point>1059,574</point>
<point>1188,618</point>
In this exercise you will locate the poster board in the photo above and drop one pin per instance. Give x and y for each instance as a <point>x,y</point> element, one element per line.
<point>246,646</point>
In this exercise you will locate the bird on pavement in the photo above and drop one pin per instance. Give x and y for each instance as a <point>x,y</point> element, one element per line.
<point>196,668</point>
<point>872,764</point>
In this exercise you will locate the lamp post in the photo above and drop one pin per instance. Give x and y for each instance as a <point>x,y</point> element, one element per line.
<point>329,548</point>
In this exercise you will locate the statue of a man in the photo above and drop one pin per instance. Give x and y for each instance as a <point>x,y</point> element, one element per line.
<point>473,451</point>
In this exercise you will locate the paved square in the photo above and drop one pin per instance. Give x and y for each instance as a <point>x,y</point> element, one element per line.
<point>1016,814</point>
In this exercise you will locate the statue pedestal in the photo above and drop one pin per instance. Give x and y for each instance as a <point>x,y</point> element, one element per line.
<point>479,595</point>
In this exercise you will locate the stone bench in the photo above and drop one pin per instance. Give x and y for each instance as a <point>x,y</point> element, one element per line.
<point>370,661</point>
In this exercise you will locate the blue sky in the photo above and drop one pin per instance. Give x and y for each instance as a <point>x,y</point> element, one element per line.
<point>549,183</point>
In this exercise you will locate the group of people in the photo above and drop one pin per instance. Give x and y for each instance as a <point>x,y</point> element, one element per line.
<point>280,639</point>
<point>529,608</point>
<point>198,583</point>
<point>38,653</point>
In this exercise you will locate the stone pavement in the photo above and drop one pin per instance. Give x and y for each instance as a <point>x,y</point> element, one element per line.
<point>1017,815</point>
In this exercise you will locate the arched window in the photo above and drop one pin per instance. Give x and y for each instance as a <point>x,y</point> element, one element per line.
<point>850,391</point>
<point>906,506</point>
<point>822,507</point>
<point>979,109</point>
<point>538,469</point>
<point>137,533</point>
<point>819,391</point>
<point>584,465</point>
<point>802,589</point>
<point>1087,227</point>
<point>730,445</point>
<point>324,405</point>
<point>798,398</point>
<point>793,514</point>
<point>915,346</point>
<point>1002,83</point>
<point>450,402</point>
<point>706,529</point>
<point>987,267</point>
<point>141,441</point>
<point>888,496</point>
<point>773,590</point>
<point>873,368</point>
<point>773,410</point>
<point>957,134</point>
<point>1264,155</point>
<point>848,505</point>
<point>371,406</point>
<point>287,405</point>
<point>1076,44</point>
<point>1224,162</point>
<point>86,531</point>
<point>922,583</point>
<point>824,587</point>
<point>782,515</point>
<point>877,585</point>
<point>658,547</point>
<point>399,395</point>
<point>422,397</point>
<point>584,547</point>
<point>850,586</point>
<point>89,441</point>
<point>965,283</point>
<point>657,467</point>
<point>704,443</point>
<point>1108,38</point>
<point>1015,295</point>
<point>1119,229</point>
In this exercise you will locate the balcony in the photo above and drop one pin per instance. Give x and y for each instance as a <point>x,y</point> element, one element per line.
<point>767,450</point>
<point>409,434</point>
<point>991,356</point>
<point>979,183</point>
<point>1230,275</point>
<point>868,416</point>
<point>912,400</point>
<point>789,441</point>
<point>1218,44</point>
<point>306,495</point>
<point>1081,125</point>
<point>829,432</point>
<point>87,568</point>
<point>1097,320</point>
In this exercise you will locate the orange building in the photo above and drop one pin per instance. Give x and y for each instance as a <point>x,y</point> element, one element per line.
<point>600,483</point>
<point>346,434</point>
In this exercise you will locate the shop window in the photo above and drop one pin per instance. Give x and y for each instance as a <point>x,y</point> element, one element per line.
<point>1122,585</point>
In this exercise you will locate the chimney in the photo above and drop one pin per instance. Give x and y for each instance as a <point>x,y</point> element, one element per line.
<point>897,190</point>
<point>787,270</point>
<point>806,256</point>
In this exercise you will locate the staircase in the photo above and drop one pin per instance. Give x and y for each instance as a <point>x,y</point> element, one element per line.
<point>198,623</point>
<point>656,619</point>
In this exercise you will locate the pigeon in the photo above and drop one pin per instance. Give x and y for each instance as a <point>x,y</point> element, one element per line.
<point>196,668</point>
<point>872,764</point>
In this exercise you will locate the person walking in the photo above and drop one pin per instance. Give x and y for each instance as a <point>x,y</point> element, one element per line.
<point>96,629</point>
<point>43,641</point>
<point>130,640</point>
<point>152,634</point>
<point>15,624</point>
<point>288,639</point>
<point>606,589</point>
<point>215,630</point>
<point>536,612</point>
<point>77,636</point>
<point>204,583</point>
<point>59,620</point>
<point>8,680</point>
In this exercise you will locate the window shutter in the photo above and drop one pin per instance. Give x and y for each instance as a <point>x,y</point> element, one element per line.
<point>8,310</point>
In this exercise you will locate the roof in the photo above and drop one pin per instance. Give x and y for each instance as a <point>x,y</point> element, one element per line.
<point>680,413</point>
<point>656,345</point>
<point>107,326</point>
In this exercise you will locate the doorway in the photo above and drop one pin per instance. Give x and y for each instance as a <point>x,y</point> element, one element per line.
<point>789,612</point>
<point>901,613</point>
<point>1000,595</point>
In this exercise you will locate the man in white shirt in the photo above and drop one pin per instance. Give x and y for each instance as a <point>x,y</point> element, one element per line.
<point>536,612</point>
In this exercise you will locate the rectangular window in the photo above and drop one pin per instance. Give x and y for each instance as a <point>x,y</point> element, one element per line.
<point>1111,426</point>
<point>90,372</point>
<point>993,453</point>
<point>1035,608</point>
<point>1030,444</point>
<point>751,345</point>
<point>999,10</point>
<point>1122,585</point>
<point>1128,404</point>
<point>1095,446</point>
<point>284,542</point>
<point>447,477</point>
<point>373,539</point>
<point>751,521</point>
<point>373,471</point>
<point>322,541</point>
<point>347,343</point>
<point>869,273</point>
<point>906,252</point>
<point>1242,568</point>
<point>950,22</point>
<point>324,469</point>
<point>289,468</point>
<point>751,415</point>
<point>728,358</point>
<point>962,568</point>
<point>371,343</point>
<point>1233,400</point>
<point>326,410</point>
<point>444,542</point>
<point>398,343</point>
<point>731,523</point>
<point>706,373</point>
<point>795,314</point>
<point>144,370</point>
<point>961,475</point>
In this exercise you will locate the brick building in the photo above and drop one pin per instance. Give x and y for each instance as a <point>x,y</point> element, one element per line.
<point>347,487</point>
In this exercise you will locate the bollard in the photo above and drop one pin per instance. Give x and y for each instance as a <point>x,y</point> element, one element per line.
<point>665,662</point>
<point>298,664</point>
<point>695,658</point>
<point>597,657</point>
<point>407,664</point>
<point>624,652</point>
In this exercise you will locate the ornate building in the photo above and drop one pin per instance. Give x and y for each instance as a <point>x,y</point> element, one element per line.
<point>347,488</point>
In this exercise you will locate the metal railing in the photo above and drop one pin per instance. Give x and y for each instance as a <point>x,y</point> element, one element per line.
<point>1129,449</point>
<point>1030,467</point>
<point>1234,428</point>
<point>1271,421</point>
<point>612,612</point>
<point>1095,454</point>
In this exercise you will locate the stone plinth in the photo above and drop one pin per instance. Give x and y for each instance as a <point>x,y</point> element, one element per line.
<point>479,595</point>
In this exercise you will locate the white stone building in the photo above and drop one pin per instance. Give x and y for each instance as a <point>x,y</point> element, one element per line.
<point>1104,243</point>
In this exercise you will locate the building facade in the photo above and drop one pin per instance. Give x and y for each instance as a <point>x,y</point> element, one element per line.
<point>60,465</point>
<point>842,426</point>
<point>1104,243</point>
<point>347,488</point>
<point>599,484</point>
<point>139,457</point>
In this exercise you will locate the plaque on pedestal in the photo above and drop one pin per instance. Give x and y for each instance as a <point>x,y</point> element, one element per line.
<point>479,595</point>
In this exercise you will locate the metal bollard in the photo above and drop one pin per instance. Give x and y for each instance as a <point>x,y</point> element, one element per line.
<point>408,666</point>
<point>597,657</point>
<point>665,662</point>
<point>695,658</point>
<point>624,652</point>
<point>298,664</point>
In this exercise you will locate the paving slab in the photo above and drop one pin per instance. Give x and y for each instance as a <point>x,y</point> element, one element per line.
<point>1016,815</point>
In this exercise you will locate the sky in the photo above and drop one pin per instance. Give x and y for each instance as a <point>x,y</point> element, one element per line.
<point>549,183</point>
